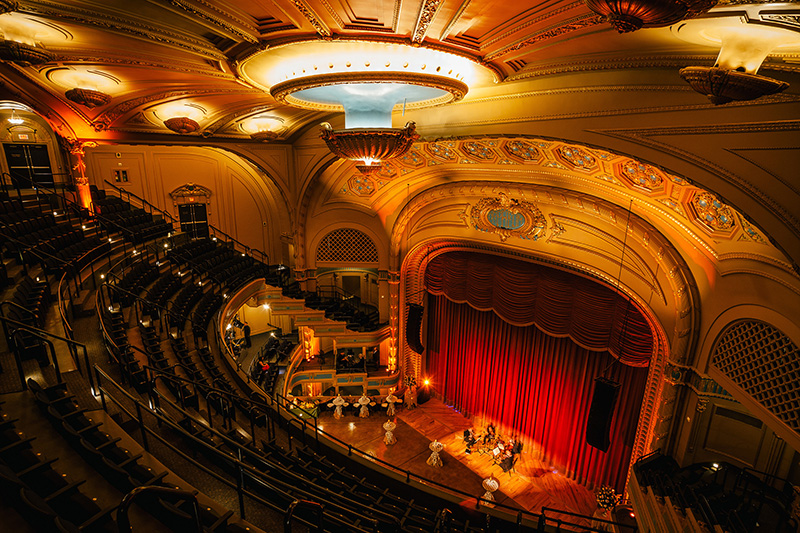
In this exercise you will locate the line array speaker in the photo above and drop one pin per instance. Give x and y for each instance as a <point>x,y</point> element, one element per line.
<point>598,423</point>
<point>413,326</point>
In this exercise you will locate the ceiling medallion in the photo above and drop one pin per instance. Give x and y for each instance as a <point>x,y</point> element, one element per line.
<point>182,125</point>
<point>368,81</point>
<point>369,145</point>
<point>723,85</point>
<point>88,98</point>
<point>24,54</point>
<point>631,15</point>
<point>508,217</point>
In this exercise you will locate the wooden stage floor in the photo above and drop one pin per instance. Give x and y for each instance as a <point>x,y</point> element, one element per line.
<point>533,486</point>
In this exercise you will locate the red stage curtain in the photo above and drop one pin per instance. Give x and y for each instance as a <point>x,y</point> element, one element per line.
<point>559,303</point>
<point>541,386</point>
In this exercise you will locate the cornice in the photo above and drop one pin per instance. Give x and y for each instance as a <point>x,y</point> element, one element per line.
<point>217,20</point>
<point>761,274</point>
<point>427,11</point>
<point>643,136</point>
<point>119,24</point>
<point>311,16</point>
<point>621,63</point>
<point>568,26</point>
<point>530,22</point>
<point>788,184</point>
<point>105,120</point>
<point>99,57</point>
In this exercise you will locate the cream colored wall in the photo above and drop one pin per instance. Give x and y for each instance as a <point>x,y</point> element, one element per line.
<point>245,202</point>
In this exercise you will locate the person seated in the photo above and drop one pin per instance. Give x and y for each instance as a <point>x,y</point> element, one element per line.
<point>507,462</point>
<point>517,448</point>
<point>491,434</point>
<point>469,439</point>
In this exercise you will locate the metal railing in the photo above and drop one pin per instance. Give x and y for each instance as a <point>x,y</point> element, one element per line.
<point>214,232</point>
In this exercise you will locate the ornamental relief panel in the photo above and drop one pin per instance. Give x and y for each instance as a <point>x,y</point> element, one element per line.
<point>673,196</point>
<point>506,217</point>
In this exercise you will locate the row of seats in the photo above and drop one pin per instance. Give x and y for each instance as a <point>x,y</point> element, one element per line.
<point>140,275</point>
<point>136,224</point>
<point>120,467</point>
<point>41,494</point>
<point>720,494</point>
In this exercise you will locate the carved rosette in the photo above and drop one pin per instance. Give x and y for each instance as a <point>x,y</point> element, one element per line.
<point>182,125</point>
<point>723,85</point>
<point>631,15</point>
<point>87,97</point>
<point>508,217</point>
<point>24,54</point>
<point>364,144</point>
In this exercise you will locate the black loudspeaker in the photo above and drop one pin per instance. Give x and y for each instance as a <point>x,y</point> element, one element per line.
<point>413,325</point>
<point>598,423</point>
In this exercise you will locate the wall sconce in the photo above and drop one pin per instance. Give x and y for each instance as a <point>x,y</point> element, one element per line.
<point>182,125</point>
<point>23,53</point>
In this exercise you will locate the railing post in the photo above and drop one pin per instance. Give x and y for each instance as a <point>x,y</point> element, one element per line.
<point>240,485</point>
<point>141,427</point>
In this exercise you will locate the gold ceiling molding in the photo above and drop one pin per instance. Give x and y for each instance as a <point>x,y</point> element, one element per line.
<point>312,18</point>
<point>121,25</point>
<point>565,27</point>
<point>617,63</point>
<point>427,11</point>
<point>85,55</point>
<point>455,18</point>
<point>215,20</point>
<point>7,6</point>
<point>506,217</point>
<point>645,137</point>
<point>676,198</point>
<point>332,12</point>
<point>104,121</point>
<point>530,22</point>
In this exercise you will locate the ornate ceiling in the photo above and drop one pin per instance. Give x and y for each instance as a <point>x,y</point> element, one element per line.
<point>564,93</point>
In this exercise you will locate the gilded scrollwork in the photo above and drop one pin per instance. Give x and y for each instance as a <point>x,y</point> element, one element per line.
<point>508,217</point>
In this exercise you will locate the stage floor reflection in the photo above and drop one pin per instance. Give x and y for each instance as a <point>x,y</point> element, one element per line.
<point>532,486</point>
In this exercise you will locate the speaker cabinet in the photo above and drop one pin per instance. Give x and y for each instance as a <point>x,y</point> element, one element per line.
<point>413,326</point>
<point>598,423</point>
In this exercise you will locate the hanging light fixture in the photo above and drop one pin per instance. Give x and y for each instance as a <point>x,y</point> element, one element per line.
<point>631,15</point>
<point>183,116</point>
<point>744,42</point>
<point>23,53</point>
<point>262,128</point>
<point>368,81</point>
<point>88,98</point>
<point>14,118</point>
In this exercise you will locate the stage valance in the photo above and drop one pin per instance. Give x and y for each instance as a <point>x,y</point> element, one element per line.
<point>559,303</point>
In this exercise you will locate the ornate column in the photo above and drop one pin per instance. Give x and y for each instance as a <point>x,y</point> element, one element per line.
<point>76,150</point>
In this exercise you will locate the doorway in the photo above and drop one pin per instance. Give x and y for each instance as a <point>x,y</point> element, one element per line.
<point>28,165</point>
<point>194,221</point>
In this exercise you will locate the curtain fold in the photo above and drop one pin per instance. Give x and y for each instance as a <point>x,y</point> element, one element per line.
<point>559,303</point>
<point>533,384</point>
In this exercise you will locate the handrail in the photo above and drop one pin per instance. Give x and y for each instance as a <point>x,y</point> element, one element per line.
<point>29,249</point>
<point>592,518</point>
<point>318,509</point>
<point>165,493</point>
<point>274,484</point>
<point>214,231</point>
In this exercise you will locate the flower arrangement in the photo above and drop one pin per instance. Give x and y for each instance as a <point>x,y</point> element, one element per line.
<point>606,497</point>
<point>410,381</point>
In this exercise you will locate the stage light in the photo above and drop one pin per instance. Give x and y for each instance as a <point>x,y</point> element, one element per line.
<point>426,382</point>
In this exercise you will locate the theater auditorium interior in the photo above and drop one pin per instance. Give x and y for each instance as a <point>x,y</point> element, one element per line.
<point>400,265</point>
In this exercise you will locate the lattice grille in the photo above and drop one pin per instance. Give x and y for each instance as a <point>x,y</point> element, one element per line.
<point>766,364</point>
<point>347,245</point>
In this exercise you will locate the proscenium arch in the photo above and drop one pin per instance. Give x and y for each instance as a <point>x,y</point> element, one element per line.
<point>642,238</point>
<point>412,280</point>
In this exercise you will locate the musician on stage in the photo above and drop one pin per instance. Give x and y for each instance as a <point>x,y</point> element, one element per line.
<point>491,434</point>
<point>469,439</point>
